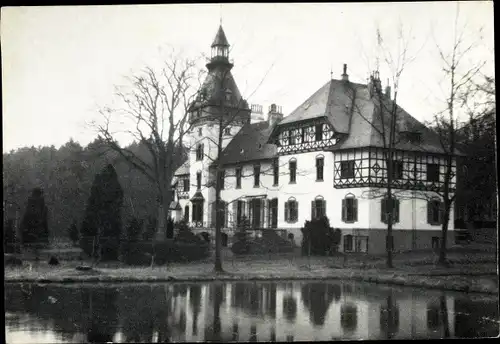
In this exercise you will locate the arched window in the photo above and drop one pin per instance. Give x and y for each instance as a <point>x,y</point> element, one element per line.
<point>291,210</point>
<point>386,207</point>
<point>349,209</point>
<point>318,208</point>
<point>186,213</point>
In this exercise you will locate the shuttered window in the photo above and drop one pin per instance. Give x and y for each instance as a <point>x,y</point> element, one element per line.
<point>197,211</point>
<point>291,211</point>
<point>350,210</point>
<point>384,210</point>
<point>318,208</point>
<point>200,151</point>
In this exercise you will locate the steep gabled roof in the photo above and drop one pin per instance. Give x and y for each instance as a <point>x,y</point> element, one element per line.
<point>349,108</point>
<point>329,101</point>
<point>249,144</point>
<point>183,169</point>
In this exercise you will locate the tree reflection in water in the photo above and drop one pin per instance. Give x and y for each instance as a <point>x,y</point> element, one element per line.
<point>437,317</point>
<point>389,317</point>
<point>213,331</point>
<point>195,303</point>
<point>317,298</point>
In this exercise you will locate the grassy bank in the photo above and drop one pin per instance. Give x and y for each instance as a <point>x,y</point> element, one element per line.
<point>468,272</point>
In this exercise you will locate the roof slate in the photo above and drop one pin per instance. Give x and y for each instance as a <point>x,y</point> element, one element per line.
<point>249,144</point>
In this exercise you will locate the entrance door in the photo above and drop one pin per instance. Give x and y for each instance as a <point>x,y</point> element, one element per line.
<point>255,204</point>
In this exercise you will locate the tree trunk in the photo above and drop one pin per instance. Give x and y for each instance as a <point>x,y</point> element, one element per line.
<point>444,234</point>
<point>218,187</point>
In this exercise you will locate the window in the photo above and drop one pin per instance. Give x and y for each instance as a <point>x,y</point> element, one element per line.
<point>292,165</point>
<point>238,177</point>
<point>185,184</point>
<point>186,213</point>
<point>291,135</point>
<point>197,211</point>
<point>221,179</point>
<point>291,210</point>
<point>200,132</point>
<point>256,176</point>
<point>198,180</point>
<point>397,169</point>
<point>319,132</point>
<point>302,135</point>
<point>434,212</point>
<point>318,208</point>
<point>432,172</point>
<point>227,131</point>
<point>276,172</point>
<point>256,212</point>
<point>348,245</point>
<point>199,152</point>
<point>349,209</point>
<point>319,168</point>
<point>385,206</point>
<point>347,169</point>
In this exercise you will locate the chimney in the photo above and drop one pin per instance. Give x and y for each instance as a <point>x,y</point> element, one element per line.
<point>388,90</point>
<point>257,115</point>
<point>275,115</point>
<point>345,76</point>
<point>374,85</point>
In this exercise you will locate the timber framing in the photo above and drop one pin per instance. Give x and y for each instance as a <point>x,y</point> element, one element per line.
<point>305,136</point>
<point>370,170</point>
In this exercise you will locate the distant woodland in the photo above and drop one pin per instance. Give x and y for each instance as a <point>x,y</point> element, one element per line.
<point>66,175</point>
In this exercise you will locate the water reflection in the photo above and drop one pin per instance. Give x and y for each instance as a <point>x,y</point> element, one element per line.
<point>220,312</point>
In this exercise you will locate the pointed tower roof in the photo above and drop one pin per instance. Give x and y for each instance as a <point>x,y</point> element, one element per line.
<point>220,38</point>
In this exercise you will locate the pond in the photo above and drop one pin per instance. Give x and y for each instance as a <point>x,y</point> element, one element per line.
<point>241,311</point>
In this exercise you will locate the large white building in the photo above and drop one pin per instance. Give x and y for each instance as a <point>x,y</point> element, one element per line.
<point>325,157</point>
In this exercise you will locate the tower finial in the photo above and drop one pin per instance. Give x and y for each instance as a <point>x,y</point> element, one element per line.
<point>331,72</point>
<point>220,14</point>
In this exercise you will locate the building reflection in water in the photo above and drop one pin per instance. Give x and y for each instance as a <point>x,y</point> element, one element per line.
<point>241,312</point>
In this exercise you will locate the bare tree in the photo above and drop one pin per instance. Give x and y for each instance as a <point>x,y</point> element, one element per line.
<point>153,111</point>
<point>458,80</point>
<point>385,119</point>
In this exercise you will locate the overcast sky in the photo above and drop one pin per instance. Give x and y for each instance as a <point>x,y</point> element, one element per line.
<point>59,64</point>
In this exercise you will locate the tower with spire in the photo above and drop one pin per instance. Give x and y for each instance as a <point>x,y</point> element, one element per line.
<point>218,107</point>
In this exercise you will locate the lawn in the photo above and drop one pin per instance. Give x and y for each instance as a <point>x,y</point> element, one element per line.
<point>471,270</point>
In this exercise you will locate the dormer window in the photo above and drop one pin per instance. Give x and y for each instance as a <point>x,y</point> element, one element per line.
<point>227,131</point>
<point>412,136</point>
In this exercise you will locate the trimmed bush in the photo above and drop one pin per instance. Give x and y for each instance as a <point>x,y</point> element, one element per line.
<point>318,238</point>
<point>241,243</point>
<point>185,235</point>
